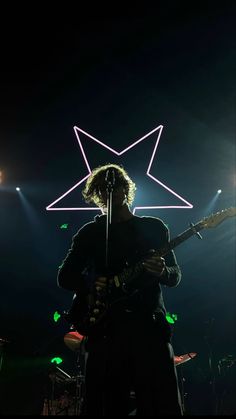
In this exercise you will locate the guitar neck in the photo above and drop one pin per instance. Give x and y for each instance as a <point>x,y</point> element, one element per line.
<point>130,273</point>
<point>215,219</point>
<point>180,239</point>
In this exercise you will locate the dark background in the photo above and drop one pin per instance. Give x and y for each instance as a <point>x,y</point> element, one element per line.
<point>117,78</point>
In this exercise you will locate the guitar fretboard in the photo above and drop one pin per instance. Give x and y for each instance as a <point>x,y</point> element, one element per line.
<point>181,238</point>
<point>129,274</point>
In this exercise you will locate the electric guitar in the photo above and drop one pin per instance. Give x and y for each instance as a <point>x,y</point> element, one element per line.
<point>87,312</point>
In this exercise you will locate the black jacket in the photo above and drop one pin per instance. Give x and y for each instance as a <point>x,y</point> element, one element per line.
<point>129,242</point>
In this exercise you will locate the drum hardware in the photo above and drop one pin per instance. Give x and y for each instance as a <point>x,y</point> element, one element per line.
<point>59,376</point>
<point>225,363</point>
<point>179,360</point>
<point>79,386</point>
<point>66,391</point>
<point>3,341</point>
<point>76,342</point>
<point>184,358</point>
<point>73,340</point>
<point>226,381</point>
<point>65,395</point>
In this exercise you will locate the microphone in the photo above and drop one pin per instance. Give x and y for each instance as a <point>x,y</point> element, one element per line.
<point>110,177</point>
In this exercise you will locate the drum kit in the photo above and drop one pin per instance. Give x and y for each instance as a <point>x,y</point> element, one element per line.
<point>65,397</point>
<point>69,399</point>
<point>70,402</point>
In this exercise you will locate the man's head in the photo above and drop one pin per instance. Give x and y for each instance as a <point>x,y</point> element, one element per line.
<point>96,185</point>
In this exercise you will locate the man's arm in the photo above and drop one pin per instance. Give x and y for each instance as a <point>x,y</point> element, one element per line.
<point>171,275</point>
<point>166,268</point>
<point>71,272</point>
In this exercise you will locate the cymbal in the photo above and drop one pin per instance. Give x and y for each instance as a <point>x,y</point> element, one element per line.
<point>184,358</point>
<point>73,340</point>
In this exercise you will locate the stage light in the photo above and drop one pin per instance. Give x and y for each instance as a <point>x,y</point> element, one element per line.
<point>56,316</point>
<point>17,188</point>
<point>56,360</point>
<point>210,207</point>
<point>171,318</point>
<point>64,226</point>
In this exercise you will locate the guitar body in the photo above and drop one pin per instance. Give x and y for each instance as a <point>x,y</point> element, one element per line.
<point>85,316</point>
<point>80,313</point>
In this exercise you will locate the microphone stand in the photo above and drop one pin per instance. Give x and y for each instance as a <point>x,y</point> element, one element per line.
<point>110,181</point>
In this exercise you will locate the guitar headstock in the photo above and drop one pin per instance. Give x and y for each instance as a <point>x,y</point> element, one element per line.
<point>215,219</point>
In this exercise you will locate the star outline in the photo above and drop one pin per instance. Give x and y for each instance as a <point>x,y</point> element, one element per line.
<point>76,129</point>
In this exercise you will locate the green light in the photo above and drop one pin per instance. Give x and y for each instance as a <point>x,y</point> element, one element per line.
<point>56,316</point>
<point>57,360</point>
<point>171,318</point>
<point>63,226</point>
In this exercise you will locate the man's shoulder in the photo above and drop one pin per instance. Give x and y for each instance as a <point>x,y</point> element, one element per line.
<point>154,221</point>
<point>85,229</point>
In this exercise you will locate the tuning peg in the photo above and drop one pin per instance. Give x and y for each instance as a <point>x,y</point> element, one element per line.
<point>195,231</point>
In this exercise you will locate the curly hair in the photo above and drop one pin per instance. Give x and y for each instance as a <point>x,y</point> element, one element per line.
<point>96,180</point>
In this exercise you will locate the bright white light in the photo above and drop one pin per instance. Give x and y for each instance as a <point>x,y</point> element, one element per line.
<point>219,191</point>
<point>18,189</point>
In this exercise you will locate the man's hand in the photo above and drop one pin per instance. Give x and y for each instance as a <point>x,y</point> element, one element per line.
<point>101,283</point>
<point>155,265</point>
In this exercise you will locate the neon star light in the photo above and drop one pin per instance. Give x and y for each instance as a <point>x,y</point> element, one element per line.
<point>78,130</point>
